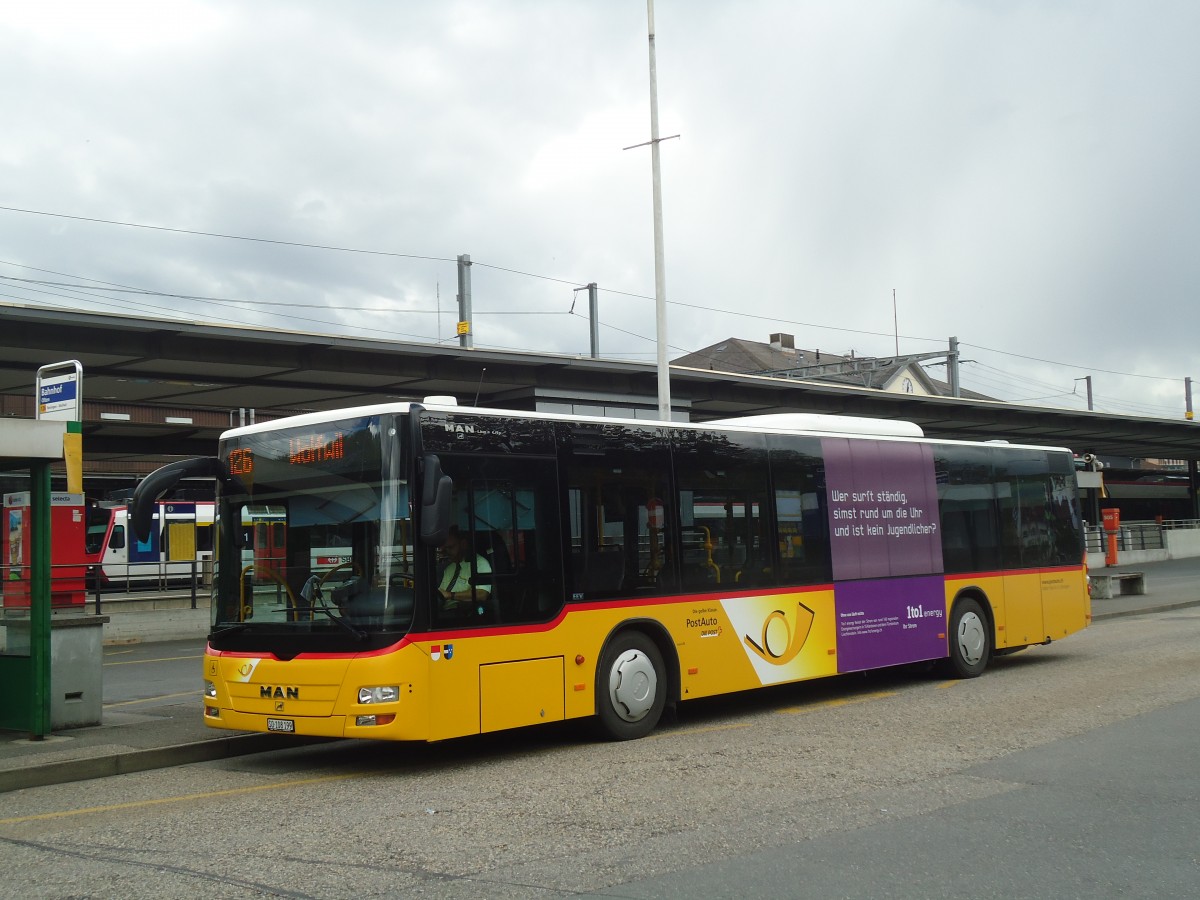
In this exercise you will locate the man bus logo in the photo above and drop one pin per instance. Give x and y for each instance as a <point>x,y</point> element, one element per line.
<point>267,692</point>
<point>781,642</point>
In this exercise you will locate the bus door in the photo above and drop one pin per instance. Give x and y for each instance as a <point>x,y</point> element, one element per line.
<point>506,547</point>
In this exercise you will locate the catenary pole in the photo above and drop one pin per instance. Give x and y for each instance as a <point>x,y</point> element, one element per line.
<point>952,368</point>
<point>660,274</point>
<point>465,339</point>
<point>594,319</point>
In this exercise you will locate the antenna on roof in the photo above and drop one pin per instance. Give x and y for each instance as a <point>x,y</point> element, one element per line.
<point>895,322</point>
<point>479,386</point>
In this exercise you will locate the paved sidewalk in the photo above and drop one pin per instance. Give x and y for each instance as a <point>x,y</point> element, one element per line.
<point>176,735</point>
<point>125,742</point>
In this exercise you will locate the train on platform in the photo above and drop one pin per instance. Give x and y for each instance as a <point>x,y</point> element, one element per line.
<point>179,546</point>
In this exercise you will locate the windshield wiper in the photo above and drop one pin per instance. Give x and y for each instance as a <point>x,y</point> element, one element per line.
<point>360,635</point>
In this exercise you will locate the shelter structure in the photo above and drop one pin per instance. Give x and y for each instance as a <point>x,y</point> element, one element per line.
<point>160,388</point>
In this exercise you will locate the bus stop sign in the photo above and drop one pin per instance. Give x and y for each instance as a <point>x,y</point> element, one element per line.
<point>59,391</point>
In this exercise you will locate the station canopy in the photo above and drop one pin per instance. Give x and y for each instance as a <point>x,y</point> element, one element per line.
<point>155,388</point>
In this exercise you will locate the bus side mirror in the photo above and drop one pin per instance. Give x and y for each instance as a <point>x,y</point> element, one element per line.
<point>436,489</point>
<point>158,482</point>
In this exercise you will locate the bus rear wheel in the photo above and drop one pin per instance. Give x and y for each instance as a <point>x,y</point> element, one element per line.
<point>631,690</point>
<point>970,639</point>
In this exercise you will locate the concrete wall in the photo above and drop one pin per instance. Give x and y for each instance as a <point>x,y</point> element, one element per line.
<point>1182,543</point>
<point>156,625</point>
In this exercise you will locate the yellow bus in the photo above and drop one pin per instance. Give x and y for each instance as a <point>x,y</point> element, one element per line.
<point>499,569</point>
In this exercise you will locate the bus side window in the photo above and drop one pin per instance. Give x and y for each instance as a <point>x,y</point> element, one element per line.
<point>1023,488</point>
<point>618,514</point>
<point>506,511</point>
<point>967,508</point>
<point>1066,516</point>
<point>723,488</point>
<point>801,515</point>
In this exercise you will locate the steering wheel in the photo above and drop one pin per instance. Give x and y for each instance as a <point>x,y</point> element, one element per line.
<point>351,564</point>
<point>247,609</point>
<point>318,581</point>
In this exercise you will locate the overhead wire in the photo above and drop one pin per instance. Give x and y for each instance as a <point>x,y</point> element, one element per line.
<point>388,253</point>
<point>396,254</point>
<point>80,294</point>
<point>231,237</point>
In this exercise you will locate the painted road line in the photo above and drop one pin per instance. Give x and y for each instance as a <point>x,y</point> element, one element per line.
<point>185,798</point>
<point>682,732</point>
<point>152,699</point>
<point>839,701</point>
<point>134,662</point>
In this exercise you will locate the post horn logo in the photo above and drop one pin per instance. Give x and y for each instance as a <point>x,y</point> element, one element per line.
<point>782,642</point>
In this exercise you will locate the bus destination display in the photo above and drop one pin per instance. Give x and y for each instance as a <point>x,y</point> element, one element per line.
<point>318,447</point>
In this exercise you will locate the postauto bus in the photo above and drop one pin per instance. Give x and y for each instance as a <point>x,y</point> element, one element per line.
<point>612,567</point>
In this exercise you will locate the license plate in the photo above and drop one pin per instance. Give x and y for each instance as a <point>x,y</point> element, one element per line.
<point>281,725</point>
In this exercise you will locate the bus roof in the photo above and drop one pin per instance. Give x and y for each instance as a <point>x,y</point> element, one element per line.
<point>816,424</point>
<point>826,424</point>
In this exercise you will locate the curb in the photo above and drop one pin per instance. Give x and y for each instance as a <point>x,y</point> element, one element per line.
<point>1145,610</point>
<point>142,760</point>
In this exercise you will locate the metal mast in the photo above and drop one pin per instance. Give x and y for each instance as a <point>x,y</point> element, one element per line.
<point>660,272</point>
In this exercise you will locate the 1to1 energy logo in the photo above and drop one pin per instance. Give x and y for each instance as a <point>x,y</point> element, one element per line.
<point>781,641</point>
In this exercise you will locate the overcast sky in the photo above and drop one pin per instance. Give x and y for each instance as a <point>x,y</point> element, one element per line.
<point>1022,174</point>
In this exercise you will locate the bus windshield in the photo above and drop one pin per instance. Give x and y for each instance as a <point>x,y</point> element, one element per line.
<point>316,535</point>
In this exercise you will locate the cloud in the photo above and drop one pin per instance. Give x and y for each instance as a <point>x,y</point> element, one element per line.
<point>1020,174</point>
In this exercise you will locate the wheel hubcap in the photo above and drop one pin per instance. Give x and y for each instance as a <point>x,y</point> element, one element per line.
<point>632,685</point>
<point>971,638</point>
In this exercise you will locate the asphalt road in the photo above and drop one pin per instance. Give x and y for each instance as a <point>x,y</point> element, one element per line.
<point>141,677</point>
<point>1066,771</point>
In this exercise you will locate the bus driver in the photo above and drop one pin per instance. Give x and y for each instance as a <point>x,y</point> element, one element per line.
<point>455,584</point>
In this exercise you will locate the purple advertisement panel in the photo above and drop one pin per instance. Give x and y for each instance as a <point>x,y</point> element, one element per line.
<point>889,622</point>
<point>883,513</point>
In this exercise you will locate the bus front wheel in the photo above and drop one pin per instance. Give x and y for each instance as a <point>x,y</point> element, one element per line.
<point>970,639</point>
<point>631,691</point>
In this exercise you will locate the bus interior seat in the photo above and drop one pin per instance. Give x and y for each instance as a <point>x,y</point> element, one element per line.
<point>598,572</point>
<point>491,546</point>
<point>730,557</point>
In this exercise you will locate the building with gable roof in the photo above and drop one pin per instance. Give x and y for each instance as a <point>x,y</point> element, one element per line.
<point>782,359</point>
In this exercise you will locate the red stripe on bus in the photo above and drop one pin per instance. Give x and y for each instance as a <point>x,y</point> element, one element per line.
<point>354,654</point>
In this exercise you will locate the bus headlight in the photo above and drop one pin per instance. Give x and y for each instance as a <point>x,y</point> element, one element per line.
<point>210,689</point>
<point>388,694</point>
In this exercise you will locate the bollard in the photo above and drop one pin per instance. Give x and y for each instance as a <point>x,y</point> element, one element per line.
<point>193,584</point>
<point>1112,526</point>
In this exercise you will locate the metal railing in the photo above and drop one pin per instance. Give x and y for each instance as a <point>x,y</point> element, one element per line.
<point>1137,535</point>
<point>162,580</point>
<point>75,586</point>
